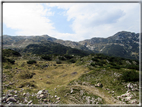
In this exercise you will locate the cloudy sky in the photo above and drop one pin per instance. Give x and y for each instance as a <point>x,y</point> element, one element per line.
<point>70,21</point>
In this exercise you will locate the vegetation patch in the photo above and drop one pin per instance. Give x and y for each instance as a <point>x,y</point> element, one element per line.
<point>31,62</point>
<point>26,75</point>
<point>129,76</point>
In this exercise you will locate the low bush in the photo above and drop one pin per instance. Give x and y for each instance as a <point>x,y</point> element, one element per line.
<point>29,84</point>
<point>136,67</point>
<point>7,67</point>
<point>129,76</point>
<point>26,75</point>
<point>92,64</point>
<point>58,62</point>
<point>46,57</point>
<point>62,58</point>
<point>72,60</point>
<point>11,61</point>
<point>31,62</point>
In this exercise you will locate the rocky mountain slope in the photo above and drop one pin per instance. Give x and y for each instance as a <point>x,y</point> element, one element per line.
<point>122,44</point>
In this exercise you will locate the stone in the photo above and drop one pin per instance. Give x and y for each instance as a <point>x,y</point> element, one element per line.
<point>58,98</point>
<point>9,95</point>
<point>93,100</point>
<point>98,85</point>
<point>45,100</point>
<point>99,99</point>
<point>40,92</point>
<point>81,92</point>
<point>3,99</point>
<point>88,99</point>
<point>119,97</point>
<point>55,96</point>
<point>11,99</point>
<point>24,94</point>
<point>41,96</point>
<point>15,91</point>
<point>129,85</point>
<point>71,91</point>
<point>134,101</point>
<point>29,102</point>
<point>15,96</point>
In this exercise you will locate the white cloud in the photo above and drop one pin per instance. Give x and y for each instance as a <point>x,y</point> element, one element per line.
<point>28,19</point>
<point>89,19</point>
<point>101,19</point>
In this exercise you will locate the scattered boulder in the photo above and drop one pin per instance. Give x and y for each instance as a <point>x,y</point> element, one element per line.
<point>81,92</point>
<point>128,98</point>
<point>99,85</point>
<point>29,102</point>
<point>40,92</point>
<point>129,85</point>
<point>11,99</point>
<point>58,98</point>
<point>42,96</point>
<point>134,101</point>
<point>71,91</point>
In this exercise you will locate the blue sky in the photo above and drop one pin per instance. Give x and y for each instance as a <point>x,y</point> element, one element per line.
<point>70,21</point>
<point>60,21</point>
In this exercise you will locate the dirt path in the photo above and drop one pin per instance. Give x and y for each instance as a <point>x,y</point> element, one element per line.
<point>96,91</point>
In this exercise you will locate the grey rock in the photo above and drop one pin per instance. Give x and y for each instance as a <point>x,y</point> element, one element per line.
<point>42,96</point>
<point>40,92</point>
<point>129,85</point>
<point>88,99</point>
<point>93,100</point>
<point>128,98</point>
<point>99,85</point>
<point>134,101</point>
<point>71,91</point>
<point>29,102</point>
<point>11,99</point>
<point>81,92</point>
<point>58,98</point>
<point>99,99</point>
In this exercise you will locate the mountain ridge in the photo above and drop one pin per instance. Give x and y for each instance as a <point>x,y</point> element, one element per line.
<point>126,41</point>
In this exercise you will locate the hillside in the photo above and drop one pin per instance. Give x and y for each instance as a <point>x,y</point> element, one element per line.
<point>53,48</point>
<point>66,79</point>
<point>122,44</point>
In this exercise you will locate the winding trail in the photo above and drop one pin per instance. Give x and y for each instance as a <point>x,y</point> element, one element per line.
<point>108,99</point>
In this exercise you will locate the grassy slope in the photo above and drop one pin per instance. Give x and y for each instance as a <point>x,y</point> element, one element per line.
<point>63,77</point>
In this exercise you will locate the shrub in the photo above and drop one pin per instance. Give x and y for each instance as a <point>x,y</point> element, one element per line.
<point>26,75</point>
<point>31,62</point>
<point>62,58</point>
<point>92,64</point>
<point>72,60</point>
<point>128,76</point>
<point>46,58</point>
<point>11,61</point>
<point>58,62</point>
<point>68,56</point>
<point>95,59</point>
<point>136,67</point>
<point>8,67</point>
